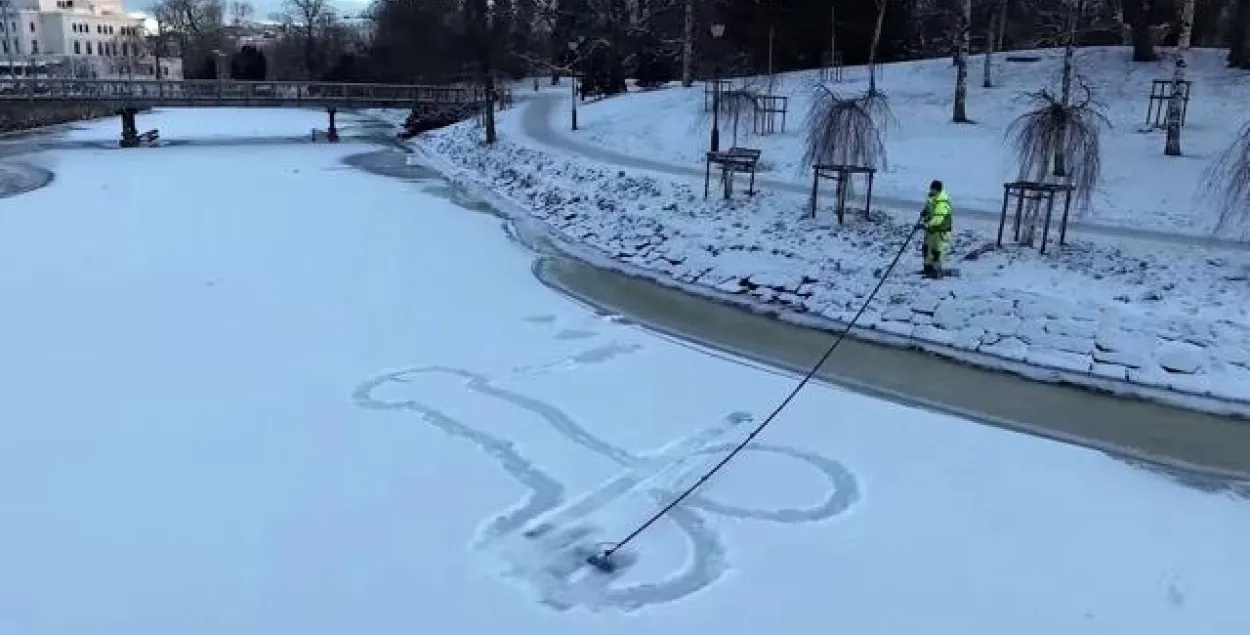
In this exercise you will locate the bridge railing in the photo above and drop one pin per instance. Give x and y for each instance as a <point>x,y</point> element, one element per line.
<point>215,91</point>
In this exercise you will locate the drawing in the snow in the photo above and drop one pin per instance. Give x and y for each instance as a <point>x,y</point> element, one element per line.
<point>547,539</point>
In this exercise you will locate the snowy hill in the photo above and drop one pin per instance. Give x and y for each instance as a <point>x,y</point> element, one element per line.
<point>1139,183</point>
<point>1138,301</point>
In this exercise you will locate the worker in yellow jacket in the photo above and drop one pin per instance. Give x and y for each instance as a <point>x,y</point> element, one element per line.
<point>936,221</point>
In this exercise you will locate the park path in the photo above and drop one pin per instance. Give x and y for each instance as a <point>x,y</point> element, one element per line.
<point>536,125</point>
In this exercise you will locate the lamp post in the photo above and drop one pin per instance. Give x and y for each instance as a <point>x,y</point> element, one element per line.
<point>573,80</point>
<point>718,30</point>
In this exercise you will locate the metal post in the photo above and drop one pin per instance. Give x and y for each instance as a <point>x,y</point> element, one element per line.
<point>718,30</point>
<point>1019,211</point>
<point>715,145</point>
<point>1050,208</point>
<point>815,187</point>
<point>868,203</point>
<point>1067,207</point>
<point>841,196</point>
<point>573,81</point>
<point>1002,220</point>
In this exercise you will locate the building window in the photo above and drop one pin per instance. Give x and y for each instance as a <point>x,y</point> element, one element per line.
<point>6,46</point>
<point>77,47</point>
<point>88,48</point>
<point>32,27</point>
<point>34,47</point>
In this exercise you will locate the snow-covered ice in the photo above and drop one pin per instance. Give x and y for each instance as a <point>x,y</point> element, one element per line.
<point>255,391</point>
<point>215,124</point>
<point>1160,289</point>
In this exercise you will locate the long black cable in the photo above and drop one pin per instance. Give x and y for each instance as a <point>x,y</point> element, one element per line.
<point>602,560</point>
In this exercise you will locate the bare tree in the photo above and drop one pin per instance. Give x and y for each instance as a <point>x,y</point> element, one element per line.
<point>960,113</point>
<point>687,45</point>
<point>241,12</point>
<point>1239,46</point>
<point>478,27</point>
<point>308,16</point>
<point>991,39</point>
<point>158,41</point>
<point>874,44</point>
<point>196,26</point>
<point>1075,9</point>
<point>1136,16</point>
<point>1172,144</point>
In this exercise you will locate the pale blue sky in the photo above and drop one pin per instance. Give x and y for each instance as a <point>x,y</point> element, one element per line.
<point>265,7</point>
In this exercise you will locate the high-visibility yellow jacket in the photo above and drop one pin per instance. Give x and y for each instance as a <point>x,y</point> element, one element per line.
<point>937,211</point>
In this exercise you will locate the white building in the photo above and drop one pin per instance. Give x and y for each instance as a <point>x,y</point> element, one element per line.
<point>77,38</point>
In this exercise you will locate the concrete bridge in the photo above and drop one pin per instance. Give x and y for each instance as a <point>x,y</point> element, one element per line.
<point>131,96</point>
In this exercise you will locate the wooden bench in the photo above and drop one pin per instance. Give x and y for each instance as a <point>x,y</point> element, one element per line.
<point>730,162</point>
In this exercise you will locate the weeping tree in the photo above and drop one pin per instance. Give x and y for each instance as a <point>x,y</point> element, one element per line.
<point>735,104</point>
<point>1227,179</point>
<point>848,131</point>
<point>1059,140</point>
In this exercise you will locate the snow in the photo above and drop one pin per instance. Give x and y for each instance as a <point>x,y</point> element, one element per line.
<point>215,123</point>
<point>303,402</point>
<point>627,188</point>
<point>973,160</point>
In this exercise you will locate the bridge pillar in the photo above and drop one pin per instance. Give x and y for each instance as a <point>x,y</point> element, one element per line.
<point>130,130</point>
<point>332,133</point>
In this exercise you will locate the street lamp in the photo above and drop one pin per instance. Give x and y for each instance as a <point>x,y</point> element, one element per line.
<point>718,30</point>
<point>573,80</point>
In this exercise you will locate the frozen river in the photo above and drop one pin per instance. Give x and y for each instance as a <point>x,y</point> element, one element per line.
<point>254,390</point>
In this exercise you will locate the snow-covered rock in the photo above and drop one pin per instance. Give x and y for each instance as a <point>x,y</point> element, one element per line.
<point>1177,357</point>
